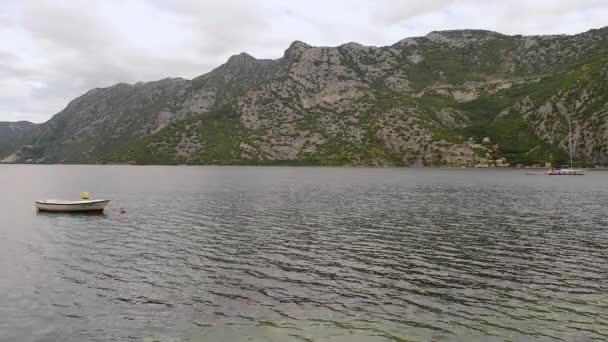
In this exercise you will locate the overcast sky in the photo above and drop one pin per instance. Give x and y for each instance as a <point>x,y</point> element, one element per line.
<point>52,51</point>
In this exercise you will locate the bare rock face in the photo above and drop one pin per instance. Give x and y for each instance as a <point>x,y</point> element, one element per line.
<point>422,101</point>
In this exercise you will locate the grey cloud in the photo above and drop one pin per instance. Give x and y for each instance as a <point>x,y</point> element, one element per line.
<point>391,12</point>
<point>79,51</point>
<point>7,57</point>
<point>222,27</point>
<point>12,69</point>
<point>67,26</point>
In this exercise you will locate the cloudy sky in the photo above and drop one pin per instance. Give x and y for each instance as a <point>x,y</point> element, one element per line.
<point>54,50</point>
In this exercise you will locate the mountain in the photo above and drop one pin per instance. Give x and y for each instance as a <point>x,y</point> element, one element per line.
<point>428,100</point>
<point>12,134</point>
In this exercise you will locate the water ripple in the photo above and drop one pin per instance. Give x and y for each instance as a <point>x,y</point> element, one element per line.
<point>315,254</point>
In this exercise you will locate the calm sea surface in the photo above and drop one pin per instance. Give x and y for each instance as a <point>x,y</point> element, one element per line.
<point>304,254</point>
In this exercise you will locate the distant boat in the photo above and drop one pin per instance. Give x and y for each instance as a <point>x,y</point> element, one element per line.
<point>565,172</point>
<point>571,171</point>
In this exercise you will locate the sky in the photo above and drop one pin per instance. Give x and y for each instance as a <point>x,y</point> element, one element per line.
<point>53,51</point>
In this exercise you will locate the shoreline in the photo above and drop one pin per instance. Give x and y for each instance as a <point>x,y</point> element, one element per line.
<point>302,166</point>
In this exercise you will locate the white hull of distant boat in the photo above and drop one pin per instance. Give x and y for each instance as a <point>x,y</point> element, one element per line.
<point>62,206</point>
<point>565,172</point>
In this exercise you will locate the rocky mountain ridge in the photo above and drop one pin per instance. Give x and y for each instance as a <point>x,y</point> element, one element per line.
<point>421,101</point>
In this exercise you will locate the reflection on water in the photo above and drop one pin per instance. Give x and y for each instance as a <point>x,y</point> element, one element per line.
<point>58,213</point>
<point>311,254</point>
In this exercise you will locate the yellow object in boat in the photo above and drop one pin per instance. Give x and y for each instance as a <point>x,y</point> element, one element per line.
<point>85,196</point>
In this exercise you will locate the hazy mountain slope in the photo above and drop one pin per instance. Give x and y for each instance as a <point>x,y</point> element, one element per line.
<point>415,102</point>
<point>12,135</point>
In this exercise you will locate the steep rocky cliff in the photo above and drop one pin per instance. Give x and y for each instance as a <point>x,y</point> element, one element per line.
<point>422,101</point>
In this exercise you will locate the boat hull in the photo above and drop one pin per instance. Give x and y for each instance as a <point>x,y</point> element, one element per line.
<point>565,172</point>
<point>72,207</point>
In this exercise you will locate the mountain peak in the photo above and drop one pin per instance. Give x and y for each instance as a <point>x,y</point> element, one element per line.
<point>241,59</point>
<point>459,38</point>
<point>297,44</point>
<point>464,32</point>
<point>295,49</point>
<point>354,46</point>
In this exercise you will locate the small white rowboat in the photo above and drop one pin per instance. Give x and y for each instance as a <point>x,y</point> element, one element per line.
<point>72,206</point>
